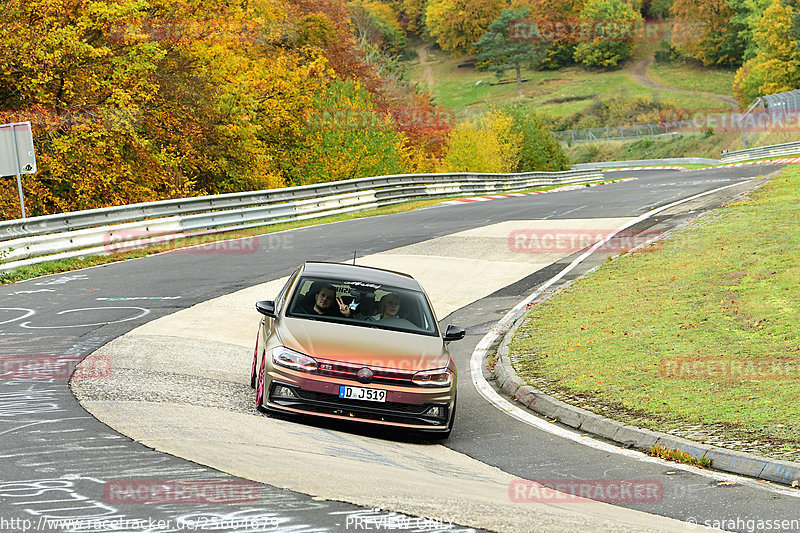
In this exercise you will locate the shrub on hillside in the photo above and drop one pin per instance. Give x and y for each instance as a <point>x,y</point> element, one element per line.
<point>505,140</point>
<point>539,150</point>
<point>489,144</point>
<point>622,111</point>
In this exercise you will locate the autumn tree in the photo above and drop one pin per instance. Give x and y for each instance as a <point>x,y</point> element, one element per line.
<point>499,50</point>
<point>776,65</point>
<point>708,30</point>
<point>747,14</point>
<point>457,24</point>
<point>343,54</point>
<point>607,30</point>
<point>414,13</point>
<point>138,100</point>
<point>346,138</point>
<point>376,23</point>
<point>551,30</point>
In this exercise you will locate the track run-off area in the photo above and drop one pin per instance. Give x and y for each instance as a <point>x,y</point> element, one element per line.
<point>173,335</point>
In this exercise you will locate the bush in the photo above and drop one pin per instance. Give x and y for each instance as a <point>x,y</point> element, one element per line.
<point>668,53</point>
<point>506,140</point>
<point>490,144</point>
<point>539,149</point>
<point>622,110</point>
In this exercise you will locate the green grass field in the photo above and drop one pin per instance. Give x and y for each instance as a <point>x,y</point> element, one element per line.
<point>700,329</point>
<point>469,92</point>
<point>693,77</point>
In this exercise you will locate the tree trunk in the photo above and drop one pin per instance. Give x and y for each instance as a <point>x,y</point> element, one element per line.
<point>519,81</point>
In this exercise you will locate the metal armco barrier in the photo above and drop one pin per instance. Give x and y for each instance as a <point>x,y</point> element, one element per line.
<point>647,162</point>
<point>38,239</point>
<point>775,150</point>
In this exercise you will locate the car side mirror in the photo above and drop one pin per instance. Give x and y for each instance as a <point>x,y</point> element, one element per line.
<point>266,308</point>
<point>454,333</point>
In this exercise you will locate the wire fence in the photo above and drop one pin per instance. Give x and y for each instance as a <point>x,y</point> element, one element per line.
<point>618,133</point>
<point>753,123</point>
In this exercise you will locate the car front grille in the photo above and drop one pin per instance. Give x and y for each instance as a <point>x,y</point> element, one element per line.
<point>392,412</point>
<point>382,406</point>
<point>338,369</point>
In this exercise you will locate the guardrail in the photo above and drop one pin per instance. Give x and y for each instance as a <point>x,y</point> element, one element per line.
<point>100,231</point>
<point>646,162</point>
<point>775,150</point>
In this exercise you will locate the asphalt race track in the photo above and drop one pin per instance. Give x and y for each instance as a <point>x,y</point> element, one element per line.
<point>59,462</point>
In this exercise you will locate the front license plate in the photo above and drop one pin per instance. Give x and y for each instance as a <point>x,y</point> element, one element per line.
<point>358,393</point>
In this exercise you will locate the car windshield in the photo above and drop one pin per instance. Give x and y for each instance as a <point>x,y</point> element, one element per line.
<point>367,304</point>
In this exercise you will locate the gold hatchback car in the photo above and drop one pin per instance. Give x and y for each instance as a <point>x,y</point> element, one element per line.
<point>355,343</point>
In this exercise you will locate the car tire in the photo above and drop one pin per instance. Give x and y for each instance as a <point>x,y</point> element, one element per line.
<point>260,385</point>
<point>254,368</point>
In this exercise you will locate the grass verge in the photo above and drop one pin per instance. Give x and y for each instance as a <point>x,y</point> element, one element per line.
<point>700,330</point>
<point>66,265</point>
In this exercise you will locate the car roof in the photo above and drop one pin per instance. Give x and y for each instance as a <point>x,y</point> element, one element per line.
<point>345,272</point>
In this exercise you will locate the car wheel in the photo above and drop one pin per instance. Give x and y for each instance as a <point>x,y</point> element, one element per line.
<point>260,384</point>
<point>253,370</point>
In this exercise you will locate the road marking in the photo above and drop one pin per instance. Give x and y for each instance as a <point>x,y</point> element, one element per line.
<point>144,312</point>
<point>28,312</point>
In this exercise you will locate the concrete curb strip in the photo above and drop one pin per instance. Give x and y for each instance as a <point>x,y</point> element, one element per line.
<point>731,461</point>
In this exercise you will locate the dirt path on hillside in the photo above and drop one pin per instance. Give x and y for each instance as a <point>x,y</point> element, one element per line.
<point>639,75</point>
<point>427,71</point>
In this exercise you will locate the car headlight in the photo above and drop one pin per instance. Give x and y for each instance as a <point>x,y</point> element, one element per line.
<point>283,356</point>
<point>441,377</point>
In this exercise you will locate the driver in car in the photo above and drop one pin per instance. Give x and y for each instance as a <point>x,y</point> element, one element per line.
<point>326,303</point>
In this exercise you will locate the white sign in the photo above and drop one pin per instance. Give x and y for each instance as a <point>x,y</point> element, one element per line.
<point>17,137</point>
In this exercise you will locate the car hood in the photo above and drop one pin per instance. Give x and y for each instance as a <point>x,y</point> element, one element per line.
<point>363,345</point>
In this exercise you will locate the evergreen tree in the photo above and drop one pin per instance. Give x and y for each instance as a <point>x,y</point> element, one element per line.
<point>499,50</point>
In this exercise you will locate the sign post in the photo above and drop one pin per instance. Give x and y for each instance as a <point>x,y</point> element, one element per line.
<point>16,154</point>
